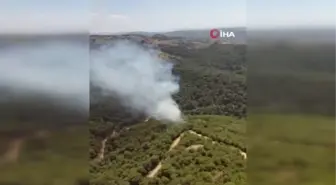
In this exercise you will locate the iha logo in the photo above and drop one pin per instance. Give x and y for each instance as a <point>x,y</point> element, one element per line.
<point>216,33</point>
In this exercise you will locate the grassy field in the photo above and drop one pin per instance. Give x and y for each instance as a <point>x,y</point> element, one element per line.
<point>291,149</point>
<point>60,158</point>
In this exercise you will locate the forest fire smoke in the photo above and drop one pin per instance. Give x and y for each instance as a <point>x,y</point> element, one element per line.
<point>56,70</point>
<point>141,80</point>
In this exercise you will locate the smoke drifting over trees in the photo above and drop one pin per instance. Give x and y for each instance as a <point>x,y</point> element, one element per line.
<point>44,81</point>
<point>141,80</point>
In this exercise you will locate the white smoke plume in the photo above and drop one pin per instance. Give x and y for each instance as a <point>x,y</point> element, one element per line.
<point>56,70</point>
<point>143,81</point>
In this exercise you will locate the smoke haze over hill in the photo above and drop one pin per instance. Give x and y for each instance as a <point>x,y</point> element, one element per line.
<point>143,81</point>
<point>57,70</point>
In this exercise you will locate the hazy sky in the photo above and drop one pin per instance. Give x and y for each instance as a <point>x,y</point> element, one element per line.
<point>159,15</point>
<point>31,16</point>
<point>169,15</point>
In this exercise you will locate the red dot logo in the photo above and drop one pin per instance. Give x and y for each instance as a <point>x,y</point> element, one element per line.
<point>214,33</point>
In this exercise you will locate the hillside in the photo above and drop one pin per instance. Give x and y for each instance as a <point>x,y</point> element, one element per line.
<point>126,150</point>
<point>203,34</point>
<point>212,80</point>
<point>205,150</point>
<point>199,34</point>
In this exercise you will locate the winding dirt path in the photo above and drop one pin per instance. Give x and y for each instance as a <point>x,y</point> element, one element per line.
<point>13,152</point>
<point>176,141</point>
<point>101,153</point>
<point>214,142</point>
<point>102,149</point>
<point>152,173</point>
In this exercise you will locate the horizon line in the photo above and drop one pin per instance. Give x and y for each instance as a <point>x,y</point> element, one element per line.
<point>247,28</point>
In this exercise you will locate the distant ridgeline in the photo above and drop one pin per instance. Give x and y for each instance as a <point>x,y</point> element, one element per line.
<point>212,77</point>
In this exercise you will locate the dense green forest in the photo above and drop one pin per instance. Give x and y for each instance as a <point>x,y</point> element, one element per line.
<point>212,81</point>
<point>283,77</point>
<point>131,156</point>
<point>125,150</point>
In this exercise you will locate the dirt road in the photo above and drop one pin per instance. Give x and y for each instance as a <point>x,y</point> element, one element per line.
<point>152,173</point>
<point>13,152</point>
<point>101,153</point>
